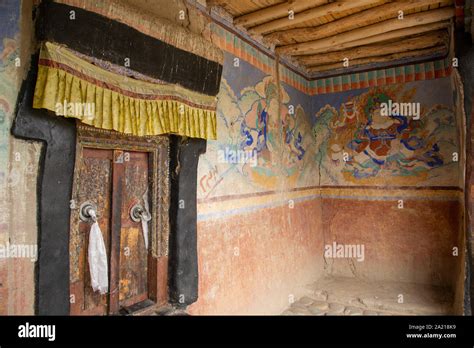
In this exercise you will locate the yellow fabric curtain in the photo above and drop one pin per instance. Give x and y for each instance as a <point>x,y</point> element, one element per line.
<point>72,87</point>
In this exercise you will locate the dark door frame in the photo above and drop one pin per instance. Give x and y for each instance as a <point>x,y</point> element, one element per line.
<point>54,189</point>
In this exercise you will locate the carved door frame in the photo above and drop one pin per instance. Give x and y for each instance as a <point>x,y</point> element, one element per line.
<point>157,148</point>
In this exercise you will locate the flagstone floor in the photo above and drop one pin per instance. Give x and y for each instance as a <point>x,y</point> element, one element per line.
<point>351,296</point>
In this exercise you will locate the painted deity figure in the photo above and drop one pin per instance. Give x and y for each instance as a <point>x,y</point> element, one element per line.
<point>390,142</point>
<point>255,127</point>
<point>293,138</point>
<point>371,141</point>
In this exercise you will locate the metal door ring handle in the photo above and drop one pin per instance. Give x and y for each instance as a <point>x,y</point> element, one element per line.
<point>88,212</point>
<point>136,213</point>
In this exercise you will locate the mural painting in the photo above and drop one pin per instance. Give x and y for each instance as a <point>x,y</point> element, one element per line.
<point>261,140</point>
<point>9,31</point>
<point>358,144</point>
<point>335,139</point>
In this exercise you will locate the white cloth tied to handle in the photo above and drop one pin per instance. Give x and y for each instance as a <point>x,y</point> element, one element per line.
<point>145,217</point>
<point>97,257</point>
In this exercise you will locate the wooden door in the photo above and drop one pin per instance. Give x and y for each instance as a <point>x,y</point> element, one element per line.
<point>94,184</point>
<point>114,181</point>
<point>133,252</point>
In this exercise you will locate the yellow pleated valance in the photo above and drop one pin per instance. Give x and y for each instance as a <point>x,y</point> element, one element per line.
<point>72,87</point>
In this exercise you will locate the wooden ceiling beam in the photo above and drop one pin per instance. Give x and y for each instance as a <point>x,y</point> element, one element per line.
<point>311,14</point>
<point>211,3</point>
<point>351,22</point>
<point>420,18</point>
<point>434,39</point>
<point>276,11</point>
<point>395,34</point>
<point>381,59</point>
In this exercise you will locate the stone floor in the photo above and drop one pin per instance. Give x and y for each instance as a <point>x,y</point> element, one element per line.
<point>351,296</point>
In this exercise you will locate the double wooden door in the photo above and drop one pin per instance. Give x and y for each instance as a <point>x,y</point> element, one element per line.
<point>113,182</point>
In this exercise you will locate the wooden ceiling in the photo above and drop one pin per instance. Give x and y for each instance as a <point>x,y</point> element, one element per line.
<point>318,35</point>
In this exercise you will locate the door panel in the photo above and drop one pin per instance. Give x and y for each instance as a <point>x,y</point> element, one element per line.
<point>94,184</point>
<point>133,252</point>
